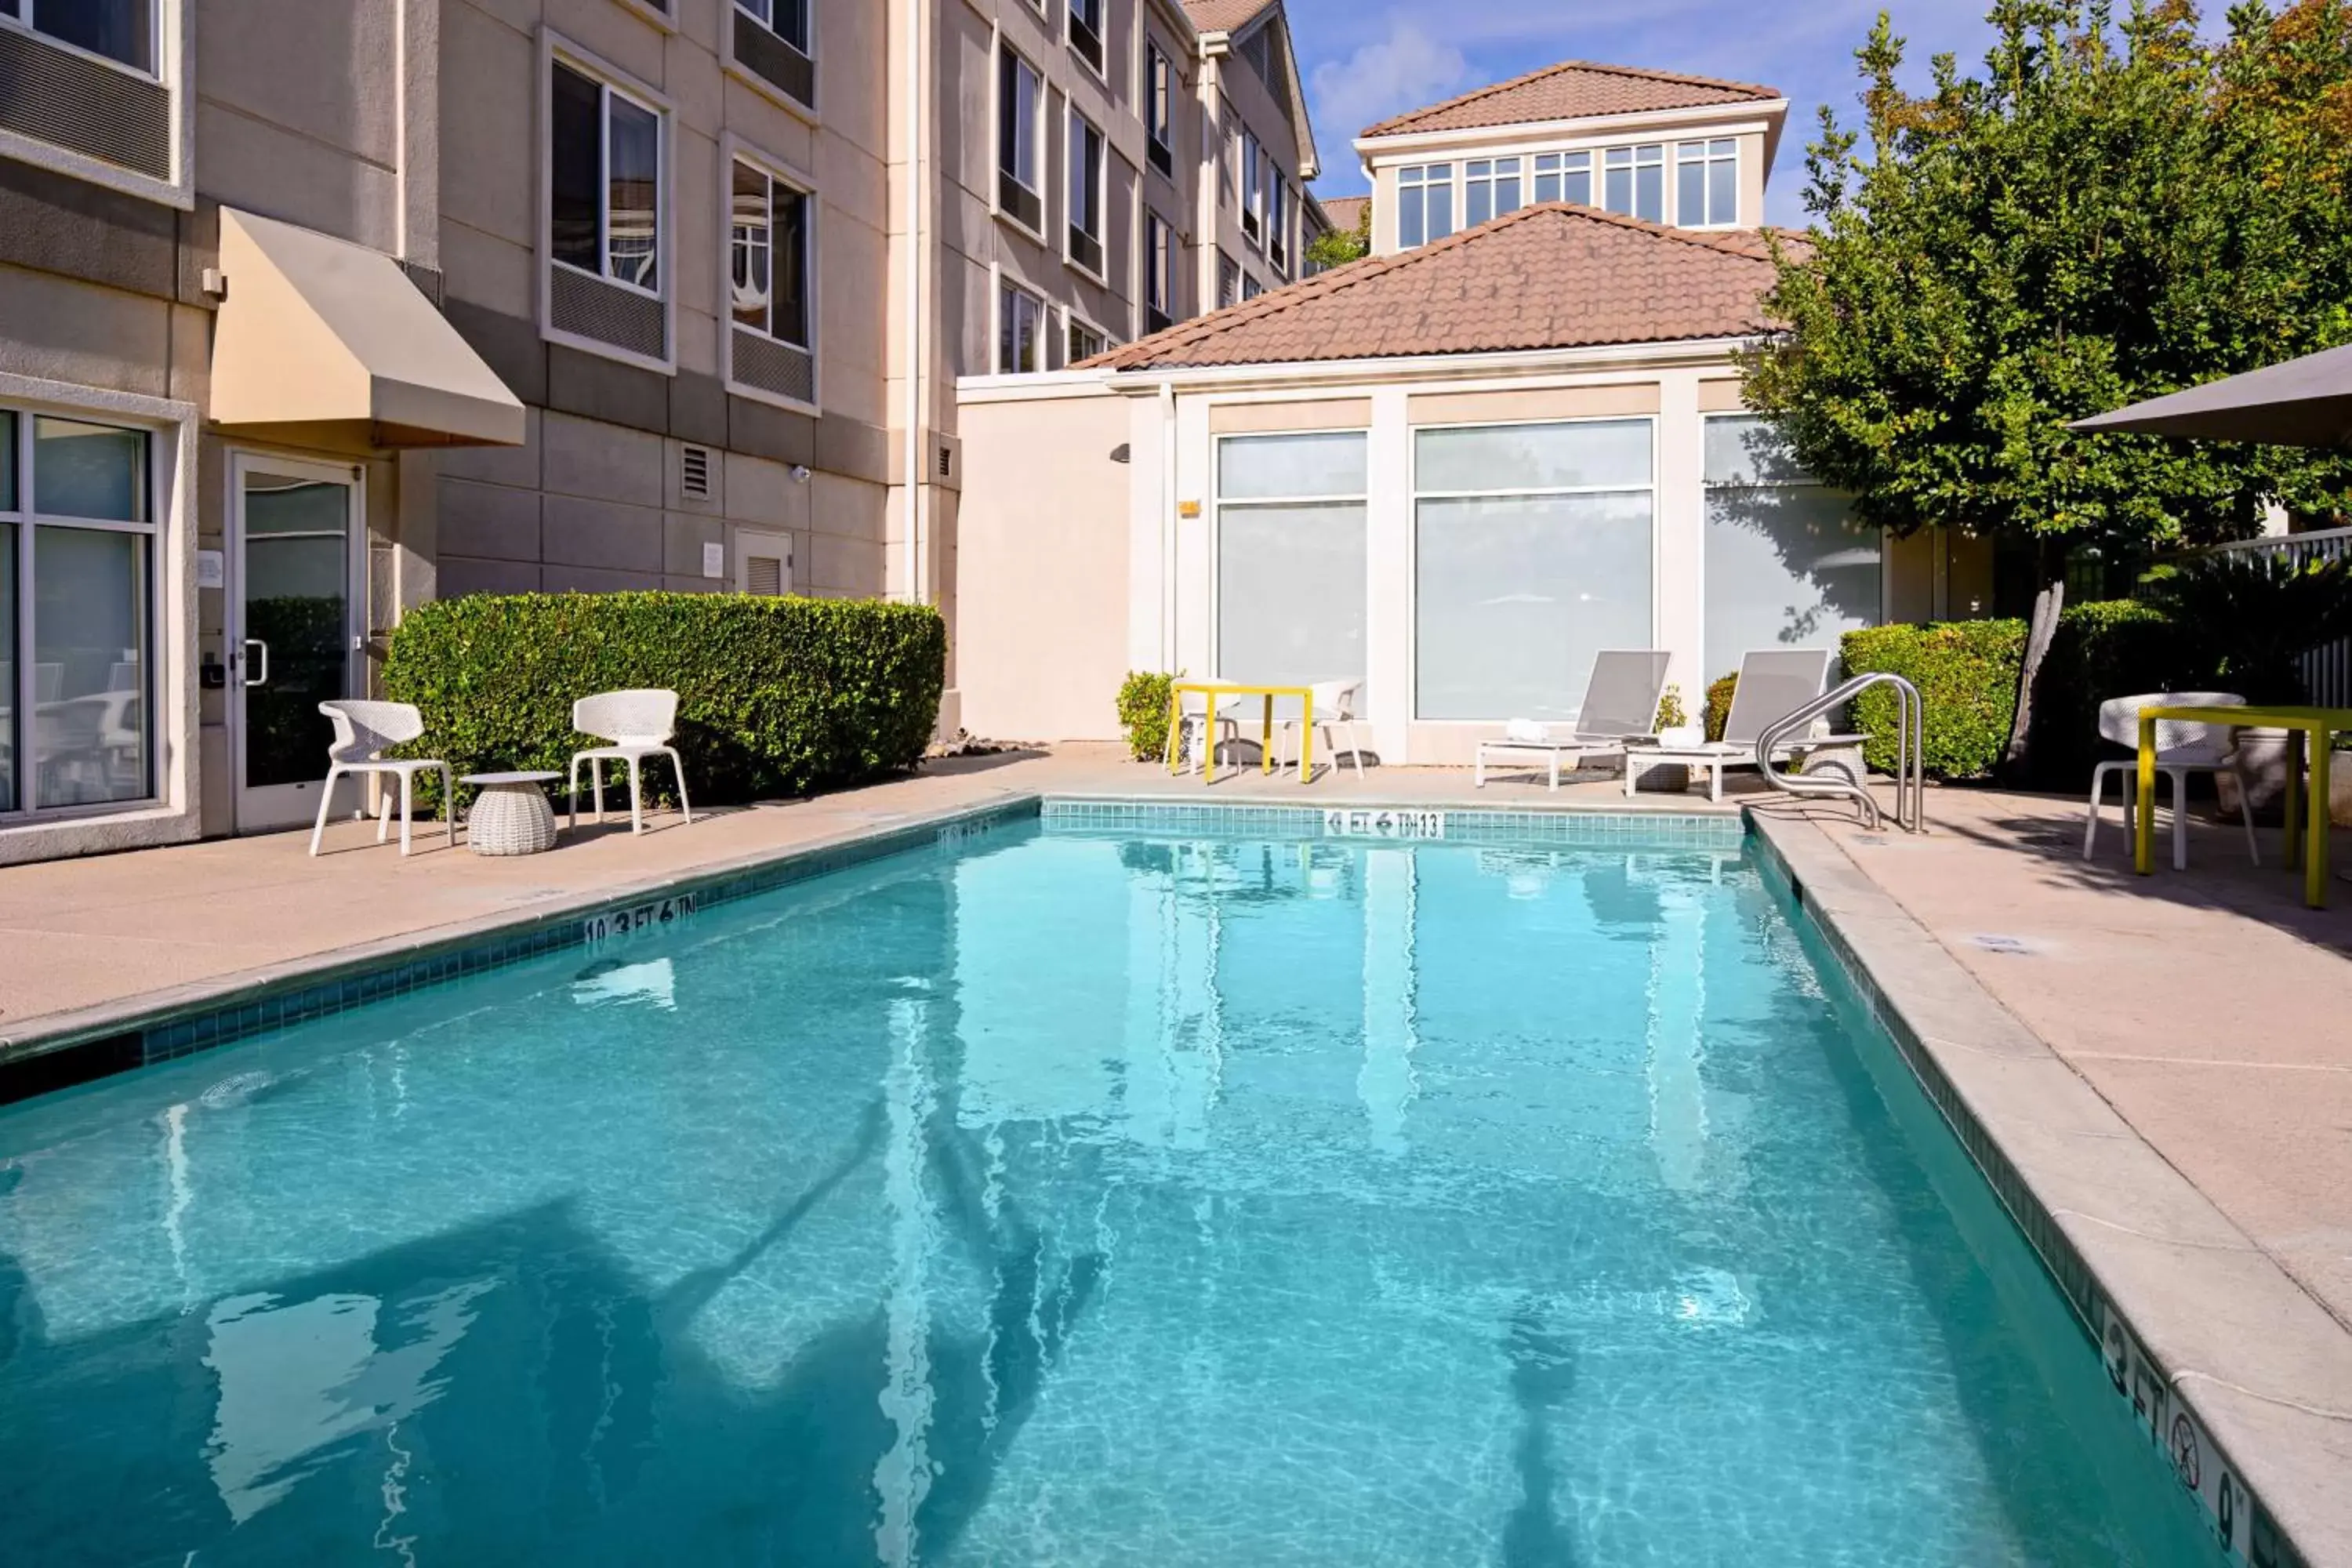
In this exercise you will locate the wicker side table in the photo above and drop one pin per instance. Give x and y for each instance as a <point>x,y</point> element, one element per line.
<point>510,816</point>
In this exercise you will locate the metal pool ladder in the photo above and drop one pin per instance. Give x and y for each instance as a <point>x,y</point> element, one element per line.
<point>1910,737</point>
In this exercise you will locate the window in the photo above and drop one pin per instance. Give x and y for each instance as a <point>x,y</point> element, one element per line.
<point>1252,187</point>
<point>1424,204</point>
<point>1707,177</point>
<point>1020,331</point>
<point>604,188</point>
<point>771,251</point>
<point>1159,273</point>
<point>1531,555</point>
<point>1251,286</point>
<point>1083,341</point>
<point>1228,151</point>
<point>1160,108</point>
<point>1787,566</point>
<point>1290,509</point>
<point>77,613</point>
<point>1277,231</point>
<point>1564,177</point>
<point>1489,189</point>
<point>1087,31</point>
<point>1229,281</point>
<point>1020,98</point>
<point>1633,180</point>
<point>1086,157</point>
<point>123,31</point>
<point>771,42</point>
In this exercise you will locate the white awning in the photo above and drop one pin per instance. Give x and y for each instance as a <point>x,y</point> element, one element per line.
<point>317,331</point>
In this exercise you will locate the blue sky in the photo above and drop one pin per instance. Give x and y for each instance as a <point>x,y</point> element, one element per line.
<point>1367,59</point>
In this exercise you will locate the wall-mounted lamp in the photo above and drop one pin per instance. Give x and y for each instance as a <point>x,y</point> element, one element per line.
<point>800,473</point>
<point>1122,453</point>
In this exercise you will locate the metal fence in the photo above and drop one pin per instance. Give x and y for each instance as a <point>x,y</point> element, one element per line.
<point>2327,670</point>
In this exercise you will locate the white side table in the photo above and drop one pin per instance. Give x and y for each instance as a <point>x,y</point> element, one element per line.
<point>510,816</point>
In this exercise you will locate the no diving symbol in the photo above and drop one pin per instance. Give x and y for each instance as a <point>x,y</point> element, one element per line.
<point>2184,1452</point>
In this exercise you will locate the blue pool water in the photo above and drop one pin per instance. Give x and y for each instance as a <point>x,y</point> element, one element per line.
<point>1065,1199</point>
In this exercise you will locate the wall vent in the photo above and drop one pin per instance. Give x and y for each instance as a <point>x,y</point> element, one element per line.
<point>763,575</point>
<point>694,472</point>
<point>947,462</point>
<point>589,307</point>
<point>83,105</point>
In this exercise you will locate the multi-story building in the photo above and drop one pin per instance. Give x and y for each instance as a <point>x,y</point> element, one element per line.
<point>311,312</point>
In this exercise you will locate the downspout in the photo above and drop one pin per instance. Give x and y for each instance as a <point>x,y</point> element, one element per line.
<point>918,580</point>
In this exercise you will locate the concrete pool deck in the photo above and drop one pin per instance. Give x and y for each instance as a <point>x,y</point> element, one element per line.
<point>2168,1061</point>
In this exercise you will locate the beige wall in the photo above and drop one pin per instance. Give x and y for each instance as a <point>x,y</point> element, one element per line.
<point>1042,542</point>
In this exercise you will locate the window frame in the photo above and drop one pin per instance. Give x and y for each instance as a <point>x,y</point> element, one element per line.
<point>1569,163</point>
<point>734,150</point>
<point>1038,124</point>
<point>735,68</point>
<point>1075,122</point>
<point>1280,206</point>
<point>1008,287</point>
<point>1158,106</point>
<point>1219,503</point>
<point>1098,63</point>
<point>1421,183</point>
<point>1159,253</point>
<point>555,50</point>
<point>1252,189</point>
<point>157,37</point>
<point>1706,486</point>
<point>174,42</point>
<point>1076,321</point>
<point>1706,155</point>
<point>1632,167</point>
<point>161,580</point>
<point>1488,176</point>
<point>1415,495</point>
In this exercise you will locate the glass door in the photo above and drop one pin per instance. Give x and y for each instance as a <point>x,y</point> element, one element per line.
<point>293,632</point>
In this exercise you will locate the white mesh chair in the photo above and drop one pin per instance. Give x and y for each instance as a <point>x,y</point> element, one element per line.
<point>2181,749</point>
<point>1333,708</point>
<point>363,732</point>
<point>1620,704</point>
<point>639,724</point>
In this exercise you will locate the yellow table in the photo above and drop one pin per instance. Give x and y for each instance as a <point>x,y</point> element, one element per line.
<point>1214,691</point>
<point>2313,729</point>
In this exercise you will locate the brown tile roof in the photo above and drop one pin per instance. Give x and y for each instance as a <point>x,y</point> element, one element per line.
<point>1346,213</point>
<point>1546,277</point>
<point>1573,89</point>
<point>1222,16</point>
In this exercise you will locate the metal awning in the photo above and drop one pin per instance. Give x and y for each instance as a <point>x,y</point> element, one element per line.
<point>322,334</point>
<point>2305,401</point>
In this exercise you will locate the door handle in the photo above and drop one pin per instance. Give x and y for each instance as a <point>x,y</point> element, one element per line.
<point>263,678</point>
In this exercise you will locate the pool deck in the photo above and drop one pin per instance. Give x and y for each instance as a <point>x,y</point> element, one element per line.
<point>2166,1059</point>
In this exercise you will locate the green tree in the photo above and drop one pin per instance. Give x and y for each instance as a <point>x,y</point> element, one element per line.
<point>2113,210</point>
<point>1338,247</point>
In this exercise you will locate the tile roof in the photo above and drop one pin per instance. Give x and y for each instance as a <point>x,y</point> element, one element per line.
<point>1222,16</point>
<point>1346,213</point>
<point>1554,276</point>
<point>1573,89</point>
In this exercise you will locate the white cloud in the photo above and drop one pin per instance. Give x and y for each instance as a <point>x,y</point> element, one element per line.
<point>1404,70</point>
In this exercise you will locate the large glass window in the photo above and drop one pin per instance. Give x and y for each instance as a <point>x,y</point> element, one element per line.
<point>1291,557</point>
<point>1532,552</point>
<point>122,31</point>
<point>1489,189</point>
<point>1020,92</point>
<point>1159,273</point>
<point>76,611</point>
<point>768,235</point>
<point>1159,107</point>
<point>604,181</point>
<point>1277,227</point>
<point>1424,204</point>
<point>1707,182</point>
<point>1085,155</point>
<point>1787,564</point>
<point>1020,331</point>
<point>1252,187</point>
<point>1633,180</point>
<point>1564,177</point>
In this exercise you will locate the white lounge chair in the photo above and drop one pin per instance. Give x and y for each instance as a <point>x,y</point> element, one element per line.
<point>1620,704</point>
<point>363,732</point>
<point>1773,684</point>
<point>2181,749</point>
<point>1334,708</point>
<point>639,723</point>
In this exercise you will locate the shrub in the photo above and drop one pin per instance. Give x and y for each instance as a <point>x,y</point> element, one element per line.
<point>1966,675</point>
<point>1143,714</point>
<point>1718,704</point>
<point>2111,647</point>
<point>775,696</point>
<point>1669,711</point>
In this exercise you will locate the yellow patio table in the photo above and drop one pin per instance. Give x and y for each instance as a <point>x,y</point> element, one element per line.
<point>1214,691</point>
<point>2313,729</point>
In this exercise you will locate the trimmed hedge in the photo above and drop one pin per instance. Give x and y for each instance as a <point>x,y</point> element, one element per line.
<point>776,696</point>
<point>1966,675</point>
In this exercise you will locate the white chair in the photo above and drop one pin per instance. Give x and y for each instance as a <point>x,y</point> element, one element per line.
<point>1195,724</point>
<point>2181,749</point>
<point>1773,684</point>
<point>1620,704</point>
<point>639,724</point>
<point>363,732</point>
<point>1334,706</point>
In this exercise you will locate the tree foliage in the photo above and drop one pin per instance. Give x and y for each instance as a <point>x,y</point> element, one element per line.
<point>2114,209</point>
<point>1338,247</point>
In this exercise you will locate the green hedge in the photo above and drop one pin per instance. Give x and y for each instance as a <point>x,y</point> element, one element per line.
<point>1966,675</point>
<point>775,696</point>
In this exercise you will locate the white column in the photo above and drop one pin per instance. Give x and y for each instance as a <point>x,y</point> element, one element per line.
<point>1388,576</point>
<point>1196,636</point>
<point>1149,540</point>
<point>1680,540</point>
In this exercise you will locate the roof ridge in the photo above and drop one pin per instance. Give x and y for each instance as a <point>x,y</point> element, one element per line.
<point>1643,72</point>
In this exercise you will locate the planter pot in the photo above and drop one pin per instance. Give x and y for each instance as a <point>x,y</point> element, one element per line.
<point>2265,754</point>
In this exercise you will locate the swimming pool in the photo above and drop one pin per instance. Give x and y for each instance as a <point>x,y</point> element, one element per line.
<point>1066,1197</point>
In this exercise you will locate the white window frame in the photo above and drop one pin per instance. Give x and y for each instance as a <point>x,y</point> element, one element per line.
<point>1415,495</point>
<point>1159,272</point>
<point>804,112</point>
<point>732,150</point>
<point>1633,166</point>
<point>1074,319</point>
<point>1038,126</point>
<point>1280,205</point>
<point>1158,93</point>
<point>1700,153</point>
<point>1253,195</point>
<point>1416,177</point>
<point>1228,271</point>
<point>1007,284</point>
<point>1886,566</point>
<point>656,13</point>
<point>174,46</point>
<point>1567,164</point>
<point>1219,504</point>
<point>1072,121</point>
<point>1491,174</point>
<point>1102,32</point>
<point>555,48</point>
<point>1228,144</point>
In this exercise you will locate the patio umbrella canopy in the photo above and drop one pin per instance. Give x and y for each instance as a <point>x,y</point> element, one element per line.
<point>2305,401</point>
